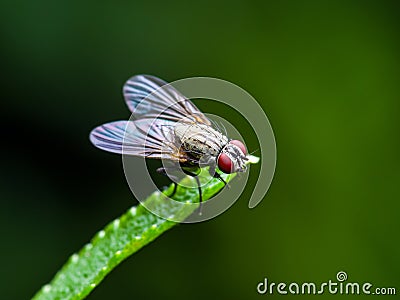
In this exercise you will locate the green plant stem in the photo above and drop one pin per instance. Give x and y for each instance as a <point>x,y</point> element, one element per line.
<point>118,240</point>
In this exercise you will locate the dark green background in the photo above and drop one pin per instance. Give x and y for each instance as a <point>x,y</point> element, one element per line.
<point>325,72</point>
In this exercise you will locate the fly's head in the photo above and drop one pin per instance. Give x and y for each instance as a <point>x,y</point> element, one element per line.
<point>233,158</point>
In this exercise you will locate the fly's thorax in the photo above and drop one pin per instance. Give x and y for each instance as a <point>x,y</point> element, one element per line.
<point>200,139</point>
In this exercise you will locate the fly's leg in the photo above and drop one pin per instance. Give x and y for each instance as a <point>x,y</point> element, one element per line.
<point>211,163</point>
<point>215,174</point>
<point>163,171</point>
<point>198,186</point>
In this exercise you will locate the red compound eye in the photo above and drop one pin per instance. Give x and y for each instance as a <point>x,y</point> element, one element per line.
<point>240,145</point>
<point>225,164</point>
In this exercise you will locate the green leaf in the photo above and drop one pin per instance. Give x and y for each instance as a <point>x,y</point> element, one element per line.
<point>121,238</point>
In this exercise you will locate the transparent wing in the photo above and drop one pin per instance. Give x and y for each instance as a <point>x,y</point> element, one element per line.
<point>151,97</point>
<point>145,137</point>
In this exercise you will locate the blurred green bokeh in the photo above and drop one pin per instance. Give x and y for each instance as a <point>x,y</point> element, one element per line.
<point>325,72</point>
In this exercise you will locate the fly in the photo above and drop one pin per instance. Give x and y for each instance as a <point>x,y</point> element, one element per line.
<point>168,126</point>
